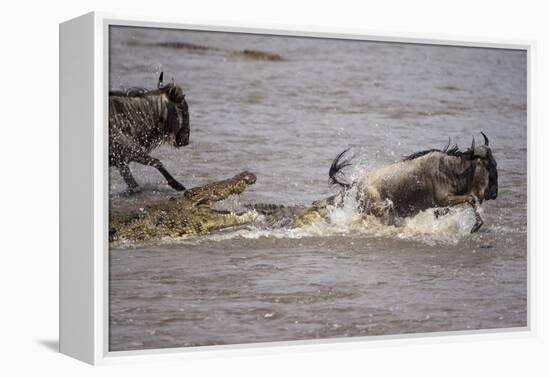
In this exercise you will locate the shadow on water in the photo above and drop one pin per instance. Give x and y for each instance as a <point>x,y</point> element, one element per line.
<point>52,345</point>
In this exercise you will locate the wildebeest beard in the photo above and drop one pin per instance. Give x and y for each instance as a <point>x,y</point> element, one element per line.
<point>492,190</point>
<point>182,134</point>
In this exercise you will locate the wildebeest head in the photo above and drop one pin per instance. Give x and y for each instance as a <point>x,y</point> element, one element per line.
<point>178,113</point>
<point>486,175</point>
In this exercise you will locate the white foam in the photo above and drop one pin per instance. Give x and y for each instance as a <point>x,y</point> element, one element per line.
<point>449,228</point>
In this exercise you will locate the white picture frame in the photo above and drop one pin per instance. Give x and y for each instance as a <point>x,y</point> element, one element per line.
<point>84,331</point>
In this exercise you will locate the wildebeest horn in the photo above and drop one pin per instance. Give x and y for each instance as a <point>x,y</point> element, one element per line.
<point>486,139</point>
<point>448,145</point>
<point>161,79</point>
<point>473,147</point>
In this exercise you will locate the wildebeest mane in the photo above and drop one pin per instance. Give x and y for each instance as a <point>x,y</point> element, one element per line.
<point>130,92</point>
<point>339,163</point>
<point>448,150</point>
<point>143,92</point>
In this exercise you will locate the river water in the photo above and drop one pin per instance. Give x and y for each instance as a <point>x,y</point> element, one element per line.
<point>285,120</point>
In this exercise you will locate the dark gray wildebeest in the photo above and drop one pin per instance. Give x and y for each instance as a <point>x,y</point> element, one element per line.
<point>428,179</point>
<point>141,120</point>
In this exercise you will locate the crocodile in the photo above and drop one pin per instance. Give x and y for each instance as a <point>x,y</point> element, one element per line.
<point>189,213</point>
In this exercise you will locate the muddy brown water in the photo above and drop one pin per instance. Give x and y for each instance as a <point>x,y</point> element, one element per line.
<point>285,120</point>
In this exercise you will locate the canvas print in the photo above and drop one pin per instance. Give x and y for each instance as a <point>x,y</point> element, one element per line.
<point>267,188</point>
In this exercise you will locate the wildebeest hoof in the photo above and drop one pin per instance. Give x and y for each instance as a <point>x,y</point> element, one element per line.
<point>476,227</point>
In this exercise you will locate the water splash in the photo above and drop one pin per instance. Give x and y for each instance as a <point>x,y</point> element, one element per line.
<point>424,227</point>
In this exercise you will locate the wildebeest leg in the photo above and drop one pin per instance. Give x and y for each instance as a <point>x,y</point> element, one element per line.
<point>126,174</point>
<point>479,220</point>
<point>372,203</point>
<point>453,200</point>
<point>151,161</point>
<point>383,210</point>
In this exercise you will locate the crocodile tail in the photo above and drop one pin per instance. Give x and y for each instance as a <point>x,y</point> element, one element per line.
<point>335,170</point>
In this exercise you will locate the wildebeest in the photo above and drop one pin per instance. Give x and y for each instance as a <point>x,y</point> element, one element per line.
<point>141,120</point>
<point>427,179</point>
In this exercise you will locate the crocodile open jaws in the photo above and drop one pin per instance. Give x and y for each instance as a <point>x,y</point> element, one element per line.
<point>187,214</point>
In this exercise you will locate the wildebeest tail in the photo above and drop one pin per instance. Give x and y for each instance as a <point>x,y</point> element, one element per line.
<point>335,170</point>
